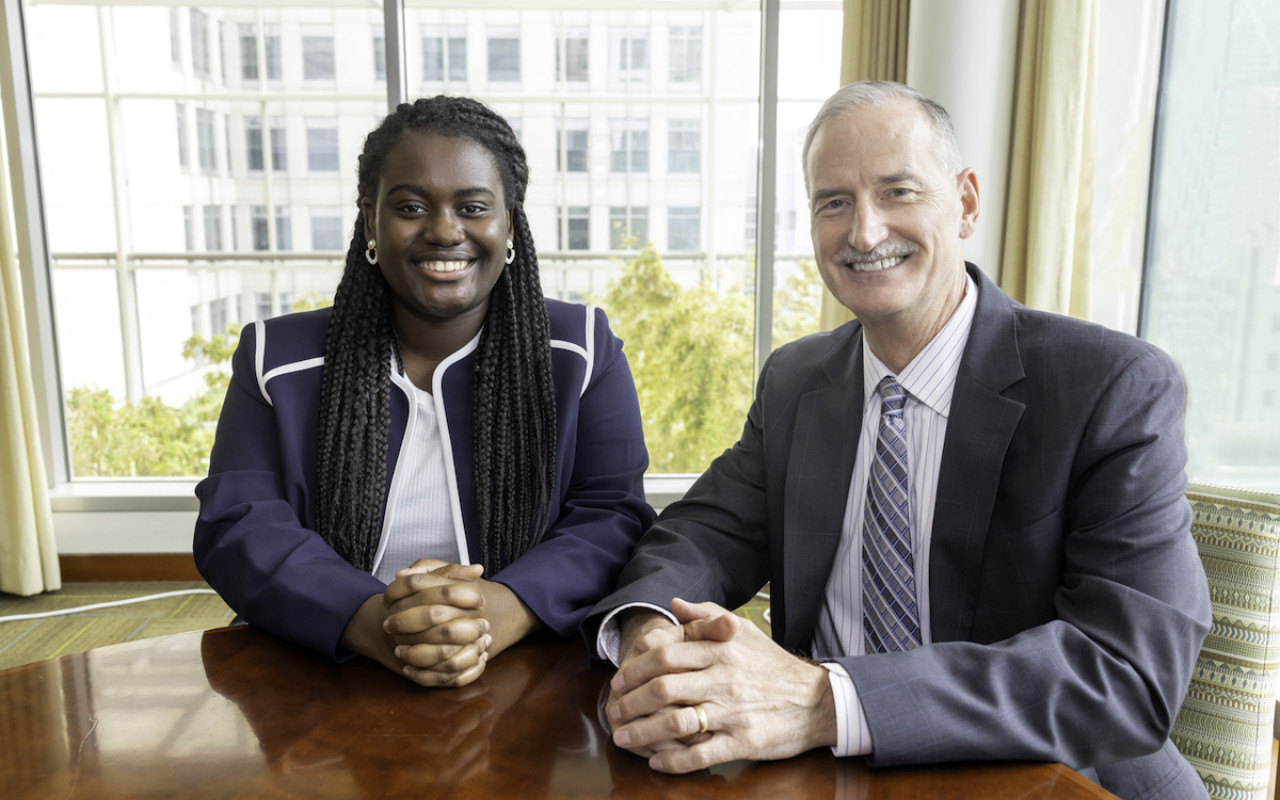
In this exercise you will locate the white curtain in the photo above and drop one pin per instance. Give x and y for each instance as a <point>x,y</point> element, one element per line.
<point>1048,219</point>
<point>28,553</point>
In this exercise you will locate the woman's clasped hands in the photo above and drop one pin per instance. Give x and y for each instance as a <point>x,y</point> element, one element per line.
<point>436,623</point>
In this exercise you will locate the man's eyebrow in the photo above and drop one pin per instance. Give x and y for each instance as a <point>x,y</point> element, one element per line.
<point>902,176</point>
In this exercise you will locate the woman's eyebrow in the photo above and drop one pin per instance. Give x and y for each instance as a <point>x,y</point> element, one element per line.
<point>422,190</point>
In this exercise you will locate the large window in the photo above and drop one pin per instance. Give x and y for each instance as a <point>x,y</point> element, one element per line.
<point>210,223</point>
<point>1212,287</point>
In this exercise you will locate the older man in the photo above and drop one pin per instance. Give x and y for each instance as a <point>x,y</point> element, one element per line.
<point>970,513</point>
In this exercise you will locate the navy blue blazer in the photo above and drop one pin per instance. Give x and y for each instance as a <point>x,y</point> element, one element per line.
<point>255,539</point>
<point>1067,598</point>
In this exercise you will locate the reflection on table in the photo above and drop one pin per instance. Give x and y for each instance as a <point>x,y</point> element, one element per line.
<point>236,713</point>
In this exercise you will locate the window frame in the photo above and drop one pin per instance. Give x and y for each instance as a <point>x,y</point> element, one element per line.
<point>175,494</point>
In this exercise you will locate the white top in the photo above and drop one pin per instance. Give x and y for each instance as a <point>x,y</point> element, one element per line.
<point>419,519</point>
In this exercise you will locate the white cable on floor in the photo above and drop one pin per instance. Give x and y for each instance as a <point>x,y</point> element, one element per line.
<point>94,606</point>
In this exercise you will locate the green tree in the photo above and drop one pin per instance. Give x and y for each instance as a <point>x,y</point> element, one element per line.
<point>690,352</point>
<point>310,302</point>
<point>797,303</point>
<point>149,438</point>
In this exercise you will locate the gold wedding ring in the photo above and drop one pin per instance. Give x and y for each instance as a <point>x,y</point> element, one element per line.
<point>702,718</point>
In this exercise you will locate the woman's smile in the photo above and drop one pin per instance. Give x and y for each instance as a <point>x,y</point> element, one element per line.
<point>445,267</point>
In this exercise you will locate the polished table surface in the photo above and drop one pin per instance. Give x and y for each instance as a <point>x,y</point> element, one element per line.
<point>237,713</point>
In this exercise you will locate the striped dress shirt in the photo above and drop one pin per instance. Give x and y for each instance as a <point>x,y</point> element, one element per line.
<point>930,381</point>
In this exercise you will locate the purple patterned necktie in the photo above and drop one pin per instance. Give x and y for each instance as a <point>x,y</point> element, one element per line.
<point>890,615</point>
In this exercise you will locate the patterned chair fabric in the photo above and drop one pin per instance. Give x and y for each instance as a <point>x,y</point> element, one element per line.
<point>1225,726</point>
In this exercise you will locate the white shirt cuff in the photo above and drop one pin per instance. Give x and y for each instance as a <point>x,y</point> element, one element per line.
<point>853,737</point>
<point>609,638</point>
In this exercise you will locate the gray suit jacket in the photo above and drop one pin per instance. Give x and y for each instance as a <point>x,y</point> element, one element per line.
<point>1067,598</point>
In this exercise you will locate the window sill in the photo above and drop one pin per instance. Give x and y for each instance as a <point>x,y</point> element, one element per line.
<point>178,494</point>
<point>148,494</point>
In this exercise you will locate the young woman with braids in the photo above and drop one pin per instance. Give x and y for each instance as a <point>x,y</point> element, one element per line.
<point>442,422</point>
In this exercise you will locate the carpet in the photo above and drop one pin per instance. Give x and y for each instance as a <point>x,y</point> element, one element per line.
<point>28,640</point>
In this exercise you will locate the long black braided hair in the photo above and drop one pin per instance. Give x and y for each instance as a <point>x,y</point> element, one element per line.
<point>513,402</point>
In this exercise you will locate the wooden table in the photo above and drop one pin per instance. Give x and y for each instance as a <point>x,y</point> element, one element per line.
<point>236,713</point>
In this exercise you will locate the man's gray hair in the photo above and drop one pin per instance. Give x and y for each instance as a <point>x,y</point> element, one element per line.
<point>879,93</point>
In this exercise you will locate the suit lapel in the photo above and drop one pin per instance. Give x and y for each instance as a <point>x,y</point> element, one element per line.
<point>824,444</point>
<point>981,424</point>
